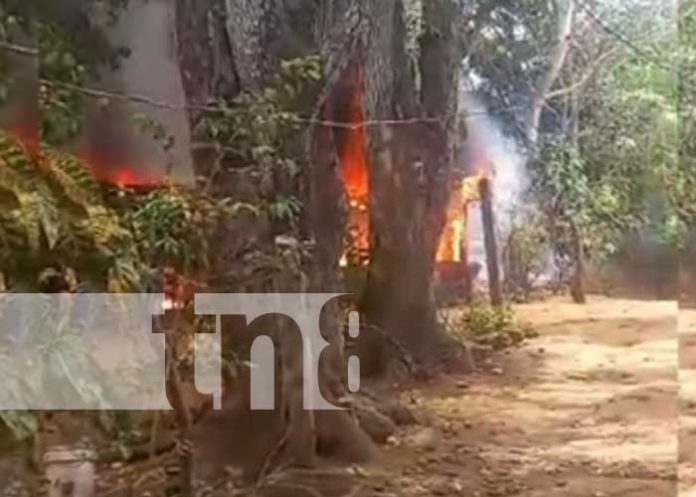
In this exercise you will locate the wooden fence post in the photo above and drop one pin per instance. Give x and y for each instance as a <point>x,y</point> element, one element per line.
<point>488,217</point>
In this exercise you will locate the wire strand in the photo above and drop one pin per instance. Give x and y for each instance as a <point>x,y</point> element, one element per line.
<point>620,37</point>
<point>300,119</point>
<point>146,100</point>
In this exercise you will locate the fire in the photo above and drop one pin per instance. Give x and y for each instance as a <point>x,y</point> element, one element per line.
<point>126,175</point>
<point>453,240</point>
<point>355,173</point>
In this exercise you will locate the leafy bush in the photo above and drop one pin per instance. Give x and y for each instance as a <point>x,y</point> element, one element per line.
<point>485,324</point>
<point>174,227</point>
<point>53,211</point>
<point>483,319</point>
<point>525,256</point>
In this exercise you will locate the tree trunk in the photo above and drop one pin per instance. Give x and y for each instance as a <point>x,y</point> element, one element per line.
<point>577,281</point>
<point>152,69</point>
<point>557,59</point>
<point>207,67</point>
<point>577,286</point>
<point>253,26</point>
<point>325,224</point>
<point>181,410</point>
<point>410,169</point>
<point>258,34</point>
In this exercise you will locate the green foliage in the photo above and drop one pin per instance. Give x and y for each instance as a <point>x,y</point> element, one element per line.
<point>485,324</point>
<point>615,175</point>
<point>285,209</point>
<point>55,217</point>
<point>568,199</point>
<point>629,142</point>
<point>60,106</point>
<point>483,319</point>
<point>525,254</point>
<point>257,130</point>
<point>253,128</point>
<point>507,45</point>
<point>682,184</point>
<point>70,51</point>
<point>53,212</point>
<point>621,173</point>
<point>175,227</point>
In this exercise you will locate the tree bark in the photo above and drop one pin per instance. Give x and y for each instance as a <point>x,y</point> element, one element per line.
<point>252,27</point>
<point>396,295</point>
<point>577,281</point>
<point>566,13</point>
<point>325,224</point>
<point>410,169</point>
<point>207,67</point>
<point>181,410</point>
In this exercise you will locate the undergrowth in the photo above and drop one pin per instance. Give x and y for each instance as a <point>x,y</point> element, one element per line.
<point>484,324</point>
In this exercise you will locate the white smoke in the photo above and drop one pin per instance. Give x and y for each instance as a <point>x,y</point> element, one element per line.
<point>501,156</point>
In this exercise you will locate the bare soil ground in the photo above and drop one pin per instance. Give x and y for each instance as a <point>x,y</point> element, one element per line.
<point>601,404</point>
<point>687,399</point>
<point>590,408</point>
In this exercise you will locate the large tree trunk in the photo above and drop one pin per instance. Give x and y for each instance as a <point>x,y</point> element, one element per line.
<point>152,69</point>
<point>253,26</point>
<point>257,35</point>
<point>204,51</point>
<point>410,168</point>
<point>336,430</point>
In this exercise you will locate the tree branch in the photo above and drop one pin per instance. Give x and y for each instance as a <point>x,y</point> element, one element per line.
<point>558,56</point>
<point>589,72</point>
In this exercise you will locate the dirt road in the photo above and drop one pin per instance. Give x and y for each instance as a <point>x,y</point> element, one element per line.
<point>587,409</point>
<point>687,406</point>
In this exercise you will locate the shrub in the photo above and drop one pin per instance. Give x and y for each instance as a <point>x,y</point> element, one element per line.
<point>485,324</point>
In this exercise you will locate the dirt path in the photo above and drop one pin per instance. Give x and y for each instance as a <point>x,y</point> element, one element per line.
<point>587,409</point>
<point>687,407</point>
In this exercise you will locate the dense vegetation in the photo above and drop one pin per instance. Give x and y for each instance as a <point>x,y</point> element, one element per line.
<point>598,99</point>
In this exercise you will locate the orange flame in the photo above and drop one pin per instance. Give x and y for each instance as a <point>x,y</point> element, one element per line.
<point>355,173</point>
<point>126,175</point>
<point>354,167</point>
<point>105,168</point>
<point>452,247</point>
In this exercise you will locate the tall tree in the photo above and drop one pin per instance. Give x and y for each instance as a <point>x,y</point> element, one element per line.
<point>260,39</point>
<point>608,167</point>
<point>410,164</point>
